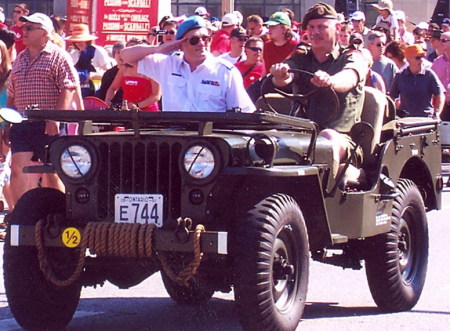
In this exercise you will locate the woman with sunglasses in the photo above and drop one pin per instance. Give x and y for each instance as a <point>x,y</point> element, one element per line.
<point>193,79</point>
<point>251,68</point>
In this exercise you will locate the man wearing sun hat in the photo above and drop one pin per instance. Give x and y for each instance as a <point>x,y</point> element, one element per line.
<point>330,66</point>
<point>42,75</point>
<point>386,10</point>
<point>193,79</point>
<point>419,88</point>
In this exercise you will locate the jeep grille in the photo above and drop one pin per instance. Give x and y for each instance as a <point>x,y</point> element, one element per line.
<point>141,167</point>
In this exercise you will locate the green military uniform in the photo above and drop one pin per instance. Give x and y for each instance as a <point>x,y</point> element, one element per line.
<point>321,106</point>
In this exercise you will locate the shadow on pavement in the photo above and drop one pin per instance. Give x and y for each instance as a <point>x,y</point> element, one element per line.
<point>154,314</point>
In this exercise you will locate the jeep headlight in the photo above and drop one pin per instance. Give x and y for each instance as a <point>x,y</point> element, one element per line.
<point>76,161</point>
<point>199,162</point>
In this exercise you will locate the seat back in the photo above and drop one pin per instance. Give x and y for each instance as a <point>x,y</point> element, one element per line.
<point>374,109</point>
<point>277,101</point>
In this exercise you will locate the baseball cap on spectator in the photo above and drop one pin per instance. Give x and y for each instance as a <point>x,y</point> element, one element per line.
<point>319,10</point>
<point>238,32</point>
<point>436,34</point>
<point>239,16</point>
<point>433,26</point>
<point>80,32</point>
<point>384,5</point>
<point>229,19</point>
<point>8,37</point>
<point>381,26</point>
<point>201,11</point>
<point>356,37</point>
<point>400,15</point>
<point>446,21</point>
<point>41,19</point>
<point>414,50</point>
<point>422,25</point>
<point>278,18</point>
<point>358,16</point>
<point>191,23</point>
<point>23,7</point>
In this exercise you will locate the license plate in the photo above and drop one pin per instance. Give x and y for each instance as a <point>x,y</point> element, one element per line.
<point>139,208</point>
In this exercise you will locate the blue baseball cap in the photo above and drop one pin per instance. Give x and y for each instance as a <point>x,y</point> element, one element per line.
<point>191,23</point>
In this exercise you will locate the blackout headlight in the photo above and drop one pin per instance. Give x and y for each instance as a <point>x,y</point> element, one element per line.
<point>199,161</point>
<point>76,161</point>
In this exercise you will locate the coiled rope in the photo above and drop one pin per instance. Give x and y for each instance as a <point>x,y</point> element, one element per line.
<point>118,240</point>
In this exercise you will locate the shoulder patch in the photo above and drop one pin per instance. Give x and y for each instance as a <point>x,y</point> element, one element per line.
<point>302,48</point>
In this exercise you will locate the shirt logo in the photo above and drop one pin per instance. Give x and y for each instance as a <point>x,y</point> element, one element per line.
<point>210,82</point>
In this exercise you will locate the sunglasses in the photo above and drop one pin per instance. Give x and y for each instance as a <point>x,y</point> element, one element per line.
<point>31,28</point>
<point>380,45</point>
<point>242,39</point>
<point>419,57</point>
<point>170,32</point>
<point>255,49</point>
<point>357,42</point>
<point>195,40</point>
<point>444,40</point>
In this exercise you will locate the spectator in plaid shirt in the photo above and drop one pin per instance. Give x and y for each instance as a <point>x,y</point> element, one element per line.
<point>42,75</point>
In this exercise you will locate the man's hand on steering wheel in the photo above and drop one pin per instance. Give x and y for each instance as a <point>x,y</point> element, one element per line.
<point>280,74</point>
<point>322,79</point>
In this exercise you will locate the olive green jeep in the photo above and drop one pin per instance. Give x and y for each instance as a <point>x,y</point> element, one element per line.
<point>222,201</point>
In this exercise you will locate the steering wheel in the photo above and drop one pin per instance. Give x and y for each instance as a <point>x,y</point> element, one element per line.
<point>302,99</point>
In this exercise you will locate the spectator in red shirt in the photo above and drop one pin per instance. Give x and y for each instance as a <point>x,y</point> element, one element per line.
<point>281,43</point>
<point>220,43</point>
<point>251,69</point>
<point>21,9</point>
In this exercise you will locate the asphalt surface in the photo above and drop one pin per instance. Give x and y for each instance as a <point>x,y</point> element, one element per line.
<point>337,299</point>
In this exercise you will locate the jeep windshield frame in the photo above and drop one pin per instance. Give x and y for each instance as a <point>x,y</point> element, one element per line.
<point>143,120</point>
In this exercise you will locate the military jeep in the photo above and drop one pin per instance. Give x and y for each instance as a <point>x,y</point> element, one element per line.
<point>222,201</point>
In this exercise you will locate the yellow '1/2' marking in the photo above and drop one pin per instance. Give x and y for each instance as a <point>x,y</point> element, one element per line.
<point>71,237</point>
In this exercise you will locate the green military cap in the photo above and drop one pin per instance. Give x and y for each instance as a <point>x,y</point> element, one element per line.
<point>319,10</point>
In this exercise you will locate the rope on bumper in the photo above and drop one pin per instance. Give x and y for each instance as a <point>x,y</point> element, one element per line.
<point>183,277</point>
<point>102,239</point>
<point>118,240</point>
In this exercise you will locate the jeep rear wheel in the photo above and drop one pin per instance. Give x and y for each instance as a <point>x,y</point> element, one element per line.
<point>36,303</point>
<point>271,265</point>
<point>397,265</point>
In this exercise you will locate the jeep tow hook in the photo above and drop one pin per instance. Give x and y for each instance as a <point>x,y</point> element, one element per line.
<point>182,229</point>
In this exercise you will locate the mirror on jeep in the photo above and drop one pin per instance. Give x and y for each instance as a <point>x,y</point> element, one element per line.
<point>11,115</point>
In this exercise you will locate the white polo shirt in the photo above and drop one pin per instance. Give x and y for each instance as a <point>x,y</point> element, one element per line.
<point>215,86</point>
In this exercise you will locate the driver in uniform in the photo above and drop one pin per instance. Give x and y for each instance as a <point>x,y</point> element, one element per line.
<point>331,66</point>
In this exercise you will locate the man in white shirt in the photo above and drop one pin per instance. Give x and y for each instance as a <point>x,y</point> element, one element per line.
<point>191,80</point>
<point>238,37</point>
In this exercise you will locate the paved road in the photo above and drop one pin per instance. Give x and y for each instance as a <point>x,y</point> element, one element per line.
<point>337,299</point>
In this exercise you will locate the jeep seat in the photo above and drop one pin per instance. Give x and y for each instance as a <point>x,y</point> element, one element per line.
<point>373,112</point>
<point>281,104</point>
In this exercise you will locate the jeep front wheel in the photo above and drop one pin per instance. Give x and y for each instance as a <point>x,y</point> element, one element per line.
<point>271,265</point>
<point>396,264</point>
<point>36,303</point>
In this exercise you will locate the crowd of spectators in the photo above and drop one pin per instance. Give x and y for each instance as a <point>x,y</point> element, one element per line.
<point>407,64</point>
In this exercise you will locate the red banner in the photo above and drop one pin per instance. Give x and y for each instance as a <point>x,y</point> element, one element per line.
<point>122,20</point>
<point>78,11</point>
<point>113,20</point>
